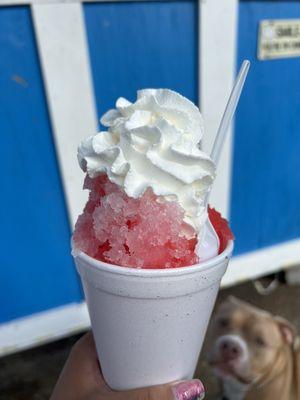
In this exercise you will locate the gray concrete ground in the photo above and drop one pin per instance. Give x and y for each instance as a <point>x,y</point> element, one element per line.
<point>31,375</point>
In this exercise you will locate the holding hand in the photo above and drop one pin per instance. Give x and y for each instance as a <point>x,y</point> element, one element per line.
<point>81,379</point>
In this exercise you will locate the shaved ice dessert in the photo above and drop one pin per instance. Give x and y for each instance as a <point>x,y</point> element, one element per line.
<point>141,233</point>
<point>149,251</point>
<point>148,183</point>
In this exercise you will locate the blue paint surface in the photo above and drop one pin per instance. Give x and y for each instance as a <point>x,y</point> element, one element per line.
<point>141,45</point>
<point>36,269</point>
<point>266,179</point>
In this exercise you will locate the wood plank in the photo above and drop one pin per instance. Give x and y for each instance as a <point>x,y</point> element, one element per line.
<point>61,39</point>
<point>217,58</point>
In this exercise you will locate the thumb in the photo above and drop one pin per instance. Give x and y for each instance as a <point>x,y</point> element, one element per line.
<point>185,390</point>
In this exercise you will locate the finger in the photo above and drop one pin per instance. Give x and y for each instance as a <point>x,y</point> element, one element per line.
<point>81,374</point>
<point>84,357</point>
<point>186,390</point>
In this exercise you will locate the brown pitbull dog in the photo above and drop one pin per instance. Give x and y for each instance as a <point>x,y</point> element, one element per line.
<point>255,354</point>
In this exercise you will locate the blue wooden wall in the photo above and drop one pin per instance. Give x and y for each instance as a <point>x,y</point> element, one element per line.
<point>140,45</point>
<point>36,269</point>
<point>266,176</point>
<point>131,46</point>
<point>136,45</point>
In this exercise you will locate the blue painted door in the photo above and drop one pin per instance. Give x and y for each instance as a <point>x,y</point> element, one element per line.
<point>135,45</point>
<point>132,45</point>
<point>139,45</point>
<point>36,269</point>
<point>266,176</point>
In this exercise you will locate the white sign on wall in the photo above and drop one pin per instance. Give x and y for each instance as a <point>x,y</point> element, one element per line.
<point>278,38</point>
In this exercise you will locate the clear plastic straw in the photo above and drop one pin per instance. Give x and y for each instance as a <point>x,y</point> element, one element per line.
<point>229,112</point>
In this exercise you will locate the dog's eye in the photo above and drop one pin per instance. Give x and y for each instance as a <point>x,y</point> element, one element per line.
<point>223,322</point>
<point>260,341</point>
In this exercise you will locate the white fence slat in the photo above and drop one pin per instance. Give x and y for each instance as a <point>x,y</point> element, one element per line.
<point>217,60</point>
<point>62,45</point>
<point>43,327</point>
<point>262,262</point>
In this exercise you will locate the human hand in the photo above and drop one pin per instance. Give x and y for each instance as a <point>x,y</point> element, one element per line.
<point>81,379</point>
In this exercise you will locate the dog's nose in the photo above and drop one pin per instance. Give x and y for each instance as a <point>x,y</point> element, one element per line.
<point>230,349</point>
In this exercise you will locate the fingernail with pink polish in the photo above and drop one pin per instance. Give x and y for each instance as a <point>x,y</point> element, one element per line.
<point>189,390</point>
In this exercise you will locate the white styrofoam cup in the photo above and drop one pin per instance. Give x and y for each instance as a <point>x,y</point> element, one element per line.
<point>149,324</point>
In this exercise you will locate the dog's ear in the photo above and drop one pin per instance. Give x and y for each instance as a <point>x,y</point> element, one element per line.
<point>228,302</point>
<point>226,306</point>
<point>237,302</point>
<point>287,330</point>
<point>232,299</point>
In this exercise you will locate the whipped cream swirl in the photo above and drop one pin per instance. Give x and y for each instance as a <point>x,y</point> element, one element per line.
<point>154,142</point>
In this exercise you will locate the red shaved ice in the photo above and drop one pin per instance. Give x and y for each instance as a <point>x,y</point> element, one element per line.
<point>221,227</point>
<point>141,233</point>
